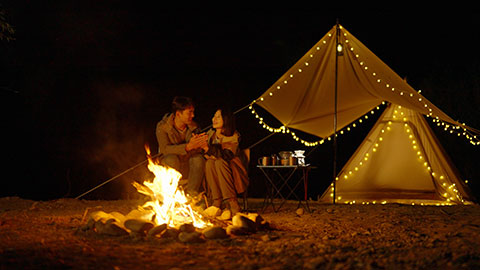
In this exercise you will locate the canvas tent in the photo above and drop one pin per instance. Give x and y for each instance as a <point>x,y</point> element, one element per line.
<point>399,161</point>
<point>326,84</point>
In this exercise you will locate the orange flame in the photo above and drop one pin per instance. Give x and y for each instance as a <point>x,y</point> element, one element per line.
<point>168,204</point>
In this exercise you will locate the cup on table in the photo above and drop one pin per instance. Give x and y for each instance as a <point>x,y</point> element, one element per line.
<point>264,161</point>
<point>274,160</point>
<point>292,161</point>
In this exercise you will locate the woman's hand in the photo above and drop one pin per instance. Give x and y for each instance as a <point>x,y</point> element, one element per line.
<point>205,148</point>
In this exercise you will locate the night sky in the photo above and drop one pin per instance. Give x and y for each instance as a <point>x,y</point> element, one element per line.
<point>84,84</point>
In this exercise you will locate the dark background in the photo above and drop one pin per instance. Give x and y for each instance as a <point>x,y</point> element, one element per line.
<point>84,83</point>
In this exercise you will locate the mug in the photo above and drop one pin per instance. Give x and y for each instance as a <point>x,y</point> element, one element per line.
<point>274,160</point>
<point>264,161</point>
<point>292,161</point>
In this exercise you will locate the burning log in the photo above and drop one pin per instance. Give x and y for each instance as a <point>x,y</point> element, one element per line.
<point>168,203</point>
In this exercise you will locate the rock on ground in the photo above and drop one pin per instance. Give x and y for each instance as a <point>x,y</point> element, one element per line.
<point>47,235</point>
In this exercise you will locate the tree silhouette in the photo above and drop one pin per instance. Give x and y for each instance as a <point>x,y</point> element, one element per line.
<point>6,30</point>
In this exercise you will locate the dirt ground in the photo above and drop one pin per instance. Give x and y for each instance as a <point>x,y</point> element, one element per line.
<point>46,235</point>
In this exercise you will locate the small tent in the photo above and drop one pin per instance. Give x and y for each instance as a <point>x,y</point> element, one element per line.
<point>399,161</point>
<point>336,85</point>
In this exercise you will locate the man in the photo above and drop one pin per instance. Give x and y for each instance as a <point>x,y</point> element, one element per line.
<point>180,143</point>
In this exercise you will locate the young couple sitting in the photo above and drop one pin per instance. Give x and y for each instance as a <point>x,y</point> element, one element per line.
<point>213,156</point>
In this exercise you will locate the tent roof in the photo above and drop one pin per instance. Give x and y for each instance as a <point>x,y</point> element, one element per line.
<point>304,97</point>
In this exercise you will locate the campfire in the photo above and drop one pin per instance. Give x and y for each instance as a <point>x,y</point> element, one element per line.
<point>168,204</point>
<point>169,212</point>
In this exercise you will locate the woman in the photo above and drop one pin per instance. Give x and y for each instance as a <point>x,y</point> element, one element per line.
<point>225,172</point>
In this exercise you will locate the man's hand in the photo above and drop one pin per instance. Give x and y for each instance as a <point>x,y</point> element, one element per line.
<point>197,141</point>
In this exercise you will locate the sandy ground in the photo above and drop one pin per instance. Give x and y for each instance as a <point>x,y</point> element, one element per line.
<point>46,235</point>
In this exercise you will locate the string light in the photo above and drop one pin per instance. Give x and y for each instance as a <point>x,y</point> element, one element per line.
<point>283,129</point>
<point>312,53</point>
<point>448,190</point>
<point>460,130</point>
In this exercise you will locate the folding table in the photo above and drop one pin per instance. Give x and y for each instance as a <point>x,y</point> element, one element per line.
<point>285,178</point>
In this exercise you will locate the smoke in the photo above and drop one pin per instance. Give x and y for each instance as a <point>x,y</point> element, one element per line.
<point>118,135</point>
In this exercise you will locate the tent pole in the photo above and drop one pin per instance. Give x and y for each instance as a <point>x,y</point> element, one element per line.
<point>335,116</point>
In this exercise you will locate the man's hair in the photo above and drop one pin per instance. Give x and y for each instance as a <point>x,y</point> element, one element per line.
<point>228,121</point>
<point>181,103</point>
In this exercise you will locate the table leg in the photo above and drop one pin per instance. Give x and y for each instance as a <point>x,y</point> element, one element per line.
<point>271,193</point>
<point>274,191</point>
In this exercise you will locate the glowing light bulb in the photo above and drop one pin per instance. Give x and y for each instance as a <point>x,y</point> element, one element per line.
<point>339,48</point>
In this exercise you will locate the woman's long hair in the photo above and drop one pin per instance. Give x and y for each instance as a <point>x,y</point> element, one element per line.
<point>228,121</point>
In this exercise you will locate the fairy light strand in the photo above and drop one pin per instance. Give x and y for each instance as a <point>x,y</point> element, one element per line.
<point>448,189</point>
<point>298,69</point>
<point>460,130</point>
<point>283,129</point>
